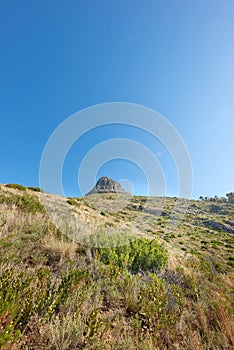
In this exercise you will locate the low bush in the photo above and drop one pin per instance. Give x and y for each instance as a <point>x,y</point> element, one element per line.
<point>20,301</point>
<point>16,187</point>
<point>128,251</point>
<point>73,201</point>
<point>36,189</point>
<point>24,202</point>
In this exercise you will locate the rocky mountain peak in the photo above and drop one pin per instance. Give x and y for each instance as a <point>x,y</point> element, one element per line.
<point>106,185</point>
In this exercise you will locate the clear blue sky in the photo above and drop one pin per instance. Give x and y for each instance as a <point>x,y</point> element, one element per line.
<point>176,57</point>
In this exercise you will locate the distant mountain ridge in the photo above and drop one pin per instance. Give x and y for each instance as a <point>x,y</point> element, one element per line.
<point>106,185</point>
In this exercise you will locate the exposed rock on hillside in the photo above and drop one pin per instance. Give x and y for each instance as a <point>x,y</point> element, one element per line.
<point>218,225</point>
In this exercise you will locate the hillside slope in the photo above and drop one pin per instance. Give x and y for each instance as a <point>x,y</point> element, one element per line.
<point>65,286</point>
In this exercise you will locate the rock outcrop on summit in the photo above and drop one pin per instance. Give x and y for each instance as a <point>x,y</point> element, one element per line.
<point>107,185</point>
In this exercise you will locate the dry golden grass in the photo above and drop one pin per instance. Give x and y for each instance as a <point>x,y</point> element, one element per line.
<point>66,249</point>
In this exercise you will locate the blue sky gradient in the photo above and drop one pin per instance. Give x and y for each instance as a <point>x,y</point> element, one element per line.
<point>176,57</point>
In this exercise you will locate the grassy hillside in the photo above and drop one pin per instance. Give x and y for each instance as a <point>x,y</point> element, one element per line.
<point>171,287</point>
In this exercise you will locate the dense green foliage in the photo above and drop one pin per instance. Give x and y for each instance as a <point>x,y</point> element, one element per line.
<point>35,189</point>
<point>73,201</point>
<point>128,251</point>
<point>22,296</point>
<point>16,187</point>
<point>24,202</point>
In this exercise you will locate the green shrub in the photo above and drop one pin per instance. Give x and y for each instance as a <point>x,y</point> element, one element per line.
<point>73,201</point>
<point>22,296</point>
<point>24,202</point>
<point>16,187</point>
<point>148,254</point>
<point>158,306</point>
<point>130,252</point>
<point>230,263</point>
<point>36,189</point>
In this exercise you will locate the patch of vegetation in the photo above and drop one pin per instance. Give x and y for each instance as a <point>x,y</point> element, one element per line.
<point>88,204</point>
<point>25,202</point>
<point>114,291</point>
<point>230,263</point>
<point>16,187</point>
<point>130,252</point>
<point>73,201</point>
<point>109,224</point>
<point>20,301</point>
<point>35,189</point>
